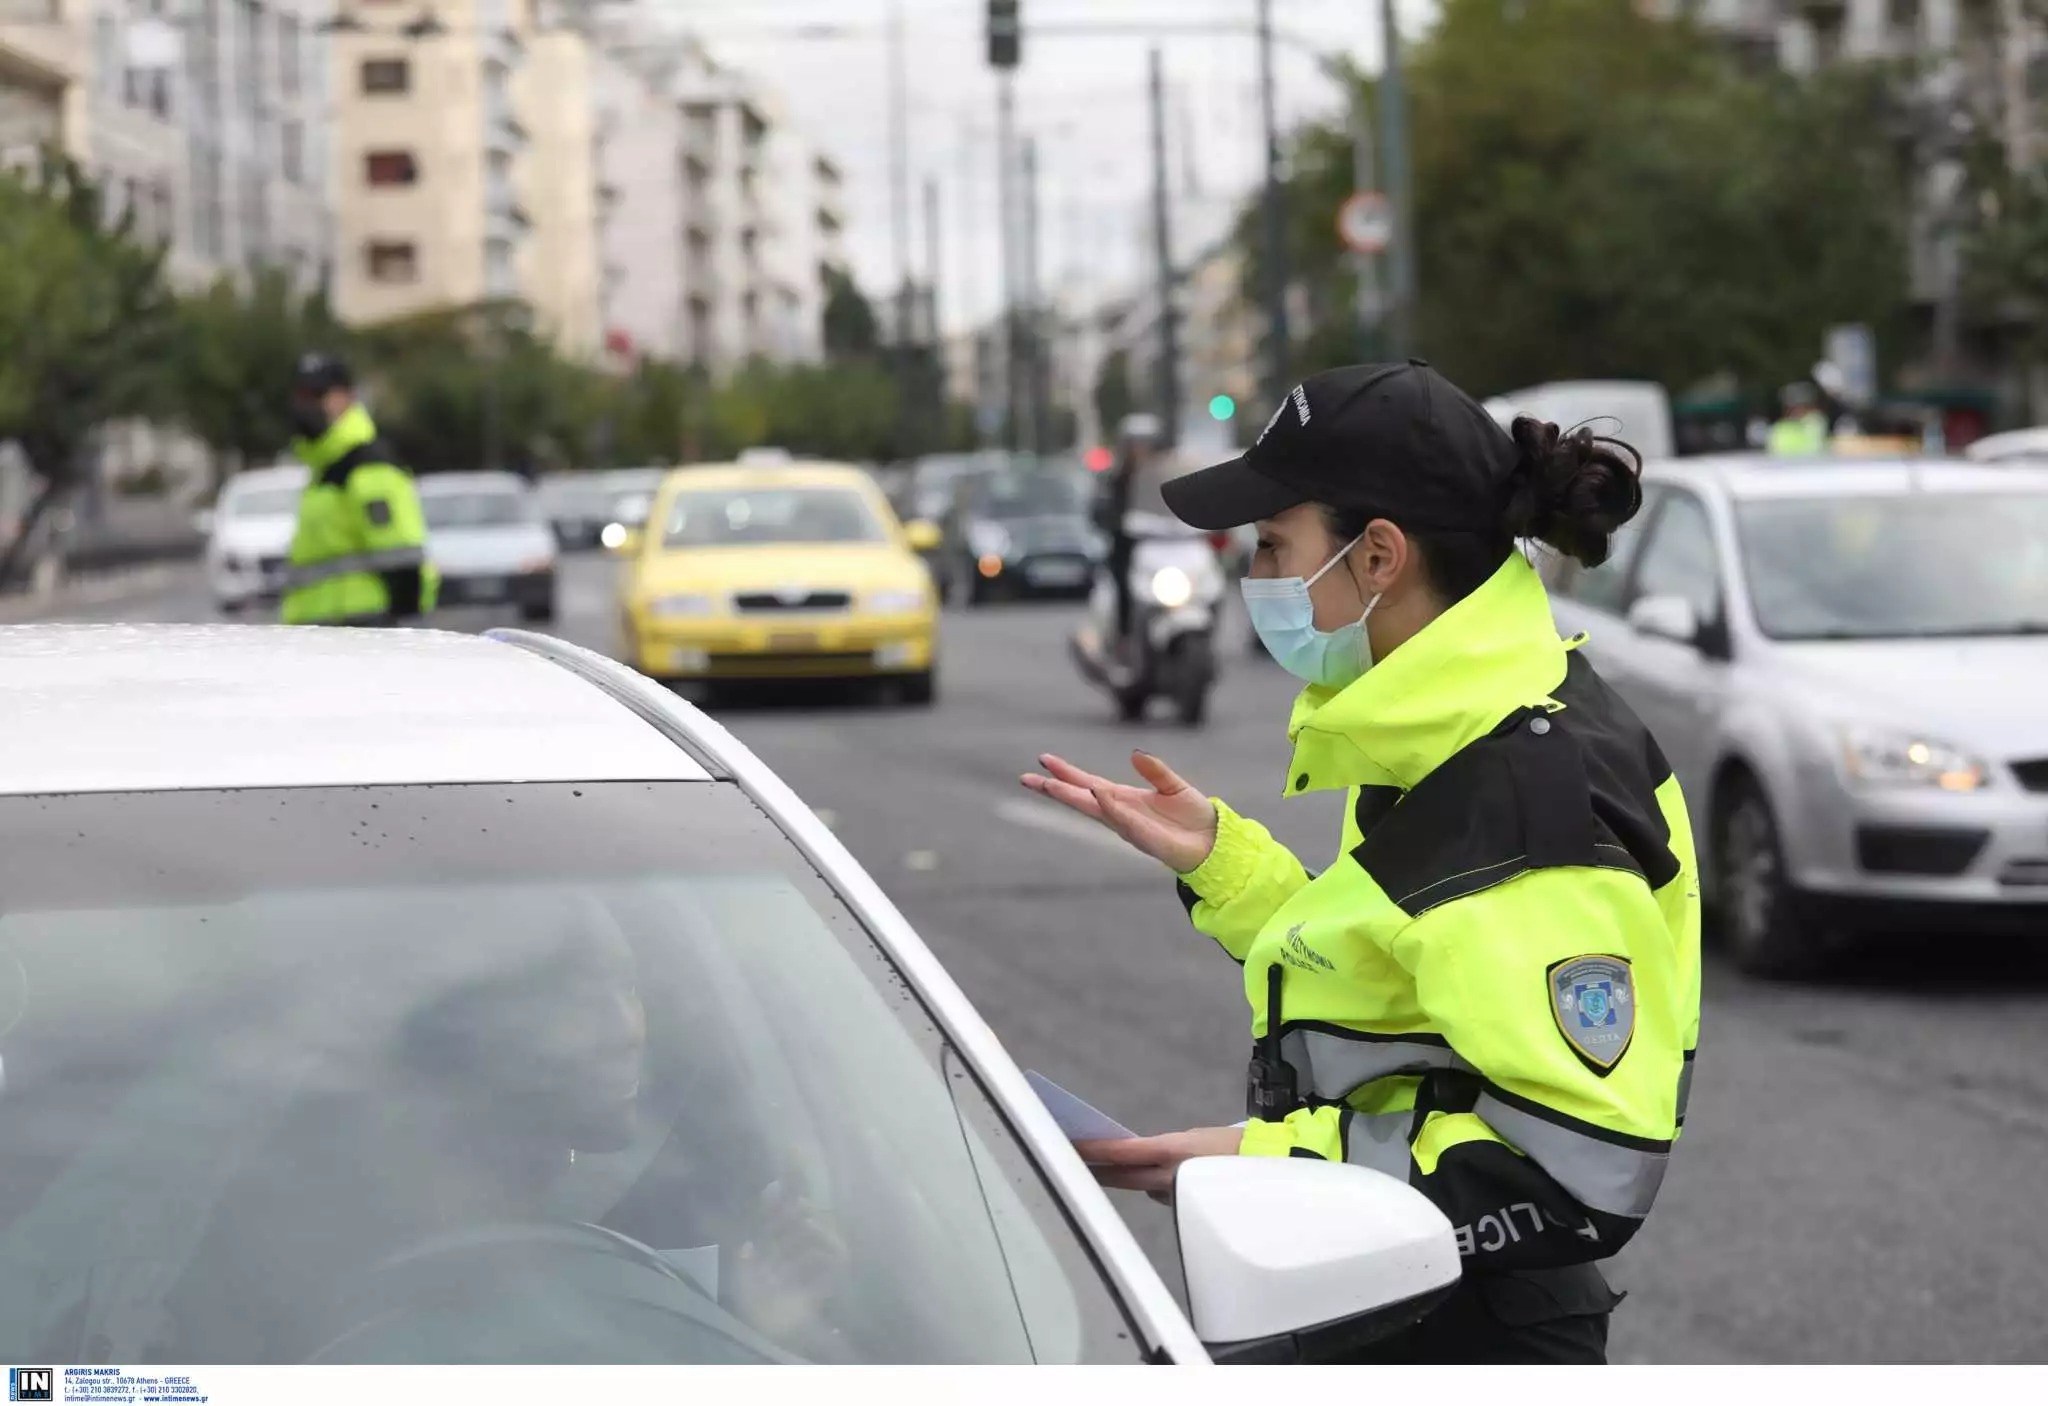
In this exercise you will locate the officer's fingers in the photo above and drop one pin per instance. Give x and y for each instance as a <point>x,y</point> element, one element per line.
<point>1066,771</point>
<point>1073,797</point>
<point>1158,774</point>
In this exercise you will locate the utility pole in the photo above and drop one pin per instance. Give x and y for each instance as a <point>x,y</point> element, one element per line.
<point>1367,266</point>
<point>1034,313</point>
<point>1400,192</point>
<point>1275,217</point>
<point>1162,236</point>
<point>1006,186</point>
<point>899,168</point>
<point>933,274</point>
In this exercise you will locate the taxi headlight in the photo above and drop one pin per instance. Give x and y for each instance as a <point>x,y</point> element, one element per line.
<point>1880,758</point>
<point>894,602</point>
<point>1171,587</point>
<point>614,534</point>
<point>674,607</point>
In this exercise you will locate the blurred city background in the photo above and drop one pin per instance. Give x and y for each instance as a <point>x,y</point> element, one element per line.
<point>956,240</point>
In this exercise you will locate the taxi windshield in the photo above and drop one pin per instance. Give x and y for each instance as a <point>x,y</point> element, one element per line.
<point>489,1074</point>
<point>708,517</point>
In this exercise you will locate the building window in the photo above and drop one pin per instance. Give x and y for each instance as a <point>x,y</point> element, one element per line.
<point>393,261</point>
<point>390,168</point>
<point>289,37</point>
<point>163,209</point>
<point>387,76</point>
<point>203,57</point>
<point>291,150</point>
<point>209,218</point>
<point>252,58</point>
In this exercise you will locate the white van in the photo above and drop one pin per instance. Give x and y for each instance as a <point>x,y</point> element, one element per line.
<point>1638,412</point>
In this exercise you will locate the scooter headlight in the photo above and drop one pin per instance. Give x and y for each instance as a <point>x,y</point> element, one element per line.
<point>1171,587</point>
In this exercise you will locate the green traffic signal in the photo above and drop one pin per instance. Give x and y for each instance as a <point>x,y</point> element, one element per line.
<point>1221,407</point>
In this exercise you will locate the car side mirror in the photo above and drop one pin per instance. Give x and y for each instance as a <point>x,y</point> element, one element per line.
<point>202,522</point>
<point>923,535</point>
<point>1667,618</point>
<point>622,540</point>
<point>1300,1260</point>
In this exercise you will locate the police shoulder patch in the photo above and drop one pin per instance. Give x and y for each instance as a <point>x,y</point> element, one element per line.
<point>378,512</point>
<point>1594,1000</point>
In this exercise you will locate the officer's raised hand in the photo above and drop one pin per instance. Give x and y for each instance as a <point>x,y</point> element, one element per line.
<point>1166,818</point>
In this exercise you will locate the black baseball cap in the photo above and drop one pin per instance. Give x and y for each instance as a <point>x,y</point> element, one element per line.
<point>1394,439</point>
<point>319,372</point>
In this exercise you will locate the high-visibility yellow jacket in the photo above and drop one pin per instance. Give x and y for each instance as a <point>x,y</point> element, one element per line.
<point>1494,991</point>
<point>359,552</point>
<point>1807,434</point>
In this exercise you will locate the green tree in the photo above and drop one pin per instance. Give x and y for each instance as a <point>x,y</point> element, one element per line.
<point>234,380</point>
<point>851,328</point>
<point>1114,398</point>
<point>1599,193</point>
<point>87,327</point>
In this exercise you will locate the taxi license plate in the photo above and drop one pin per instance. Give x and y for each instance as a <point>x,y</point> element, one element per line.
<point>792,644</point>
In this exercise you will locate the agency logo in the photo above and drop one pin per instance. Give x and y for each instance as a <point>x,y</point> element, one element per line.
<point>31,1384</point>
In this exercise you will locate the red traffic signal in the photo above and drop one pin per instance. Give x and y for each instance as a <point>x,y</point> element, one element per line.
<point>1098,459</point>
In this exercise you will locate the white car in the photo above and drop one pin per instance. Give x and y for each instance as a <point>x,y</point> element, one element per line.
<point>2010,446</point>
<point>1844,665</point>
<point>413,997</point>
<point>490,540</point>
<point>249,536</point>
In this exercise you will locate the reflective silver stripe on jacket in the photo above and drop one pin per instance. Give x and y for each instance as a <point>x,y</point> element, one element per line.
<point>390,559</point>
<point>1330,1066</point>
<point>1603,1176</point>
<point>1379,1141</point>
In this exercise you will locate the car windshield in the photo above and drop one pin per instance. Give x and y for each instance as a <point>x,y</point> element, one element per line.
<point>1029,495</point>
<point>486,1074</point>
<point>574,497</point>
<point>1897,566</point>
<point>724,517</point>
<point>263,502</point>
<point>484,508</point>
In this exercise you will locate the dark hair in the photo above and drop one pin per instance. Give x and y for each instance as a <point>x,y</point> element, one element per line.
<point>1570,490</point>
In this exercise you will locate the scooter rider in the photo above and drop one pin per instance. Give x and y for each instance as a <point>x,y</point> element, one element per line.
<point>1139,441</point>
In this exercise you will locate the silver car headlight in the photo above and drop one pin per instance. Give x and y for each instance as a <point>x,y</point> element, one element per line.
<point>1171,587</point>
<point>894,602</point>
<point>673,607</point>
<point>1880,757</point>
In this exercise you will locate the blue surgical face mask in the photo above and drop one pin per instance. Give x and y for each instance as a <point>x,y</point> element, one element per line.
<point>1285,619</point>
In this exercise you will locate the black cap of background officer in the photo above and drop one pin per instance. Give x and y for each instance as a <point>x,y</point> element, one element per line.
<point>1400,442</point>
<point>316,377</point>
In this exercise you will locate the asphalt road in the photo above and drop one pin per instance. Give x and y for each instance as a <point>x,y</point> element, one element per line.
<point>1864,1176</point>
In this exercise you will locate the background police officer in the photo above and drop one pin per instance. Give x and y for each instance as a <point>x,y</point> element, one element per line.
<point>359,554</point>
<point>1804,427</point>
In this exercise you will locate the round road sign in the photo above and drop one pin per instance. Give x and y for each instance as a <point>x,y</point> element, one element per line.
<point>1366,222</point>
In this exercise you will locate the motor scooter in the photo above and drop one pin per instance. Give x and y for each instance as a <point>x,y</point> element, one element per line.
<point>1176,585</point>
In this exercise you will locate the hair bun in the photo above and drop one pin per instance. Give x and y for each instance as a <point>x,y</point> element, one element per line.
<point>1572,491</point>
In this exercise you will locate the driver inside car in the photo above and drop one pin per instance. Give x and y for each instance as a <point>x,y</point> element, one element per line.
<point>414,1225</point>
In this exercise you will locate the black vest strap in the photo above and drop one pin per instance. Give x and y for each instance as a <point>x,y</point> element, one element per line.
<point>335,475</point>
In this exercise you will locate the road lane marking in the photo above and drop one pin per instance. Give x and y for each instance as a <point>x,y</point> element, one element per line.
<point>1044,815</point>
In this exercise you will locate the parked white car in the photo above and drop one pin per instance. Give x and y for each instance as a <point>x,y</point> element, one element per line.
<point>1845,666</point>
<point>491,541</point>
<point>249,536</point>
<point>402,997</point>
<point>2010,446</point>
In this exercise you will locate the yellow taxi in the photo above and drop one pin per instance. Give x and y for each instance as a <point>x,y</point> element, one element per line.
<point>797,571</point>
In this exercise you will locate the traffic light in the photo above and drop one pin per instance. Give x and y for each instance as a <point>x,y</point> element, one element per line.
<point>1099,459</point>
<point>1221,407</point>
<point>1005,34</point>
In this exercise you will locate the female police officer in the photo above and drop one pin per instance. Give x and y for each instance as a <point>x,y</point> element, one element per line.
<point>1493,991</point>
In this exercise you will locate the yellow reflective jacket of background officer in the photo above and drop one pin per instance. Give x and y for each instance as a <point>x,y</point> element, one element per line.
<point>1494,992</point>
<point>361,535</point>
<point>1801,435</point>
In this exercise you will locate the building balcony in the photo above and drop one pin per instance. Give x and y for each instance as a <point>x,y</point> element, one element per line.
<point>37,47</point>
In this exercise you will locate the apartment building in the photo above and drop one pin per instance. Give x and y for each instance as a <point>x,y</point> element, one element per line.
<point>433,208</point>
<point>205,121</point>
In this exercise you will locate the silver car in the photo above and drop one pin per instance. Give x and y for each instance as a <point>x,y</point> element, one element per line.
<point>1845,665</point>
<point>487,535</point>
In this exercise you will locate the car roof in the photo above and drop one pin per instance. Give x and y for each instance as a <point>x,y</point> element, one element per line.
<point>2025,443</point>
<point>796,473</point>
<point>186,707</point>
<point>280,476</point>
<point>483,480</point>
<point>1747,476</point>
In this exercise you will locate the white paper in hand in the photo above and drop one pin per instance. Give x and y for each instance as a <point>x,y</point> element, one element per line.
<point>1078,1119</point>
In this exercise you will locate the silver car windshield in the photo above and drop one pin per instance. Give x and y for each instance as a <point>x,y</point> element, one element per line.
<point>1897,566</point>
<point>486,509</point>
<point>263,502</point>
<point>490,1074</point>
<point>752,516</point>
